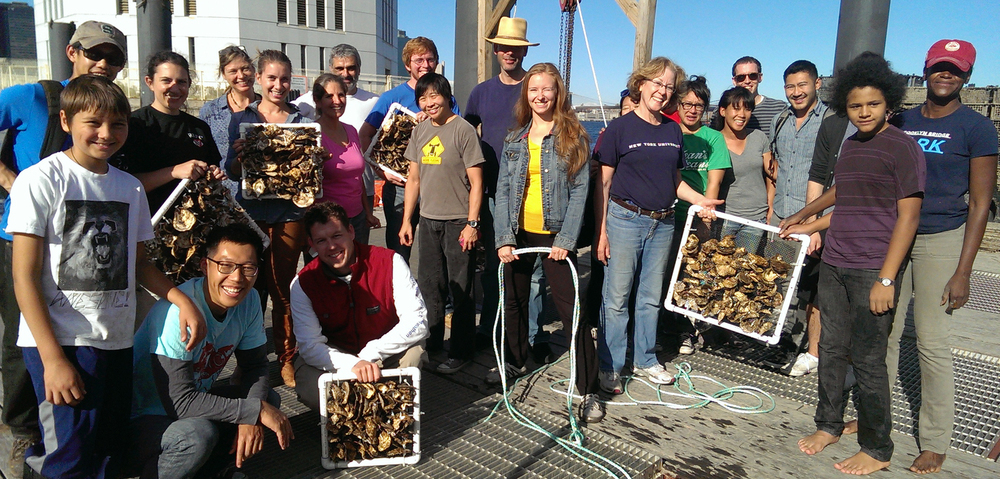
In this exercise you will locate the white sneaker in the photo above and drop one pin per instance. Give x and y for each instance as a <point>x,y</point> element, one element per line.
<point>804,364</point>
<point>611,383</point>
<point>687,346</point>
<point>656,374</point>
<point>593,409</point>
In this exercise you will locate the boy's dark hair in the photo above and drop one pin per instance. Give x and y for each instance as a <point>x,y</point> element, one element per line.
<point>166,56</point>
<point>799,66</point>
<point>234,233</point>
<point>868,70</point>
<point>435,82</point>
<point>736,96</point>
<point>322,213</point>
<point>747,59</point>
<point>93,93</point>
<point>696,84</point>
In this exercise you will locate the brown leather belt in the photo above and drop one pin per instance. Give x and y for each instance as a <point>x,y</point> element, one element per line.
<point>656,215</point>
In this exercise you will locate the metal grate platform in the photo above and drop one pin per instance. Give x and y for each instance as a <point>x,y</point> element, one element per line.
<point>987,292</point>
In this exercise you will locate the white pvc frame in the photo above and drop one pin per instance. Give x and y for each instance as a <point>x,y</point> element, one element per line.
<point>386,121</point>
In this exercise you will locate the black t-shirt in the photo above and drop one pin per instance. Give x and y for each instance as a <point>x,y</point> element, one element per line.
<point>157,140</point>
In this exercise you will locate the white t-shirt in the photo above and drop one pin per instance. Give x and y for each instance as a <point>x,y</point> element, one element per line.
<point>91,224</point>
<point>359,105</point>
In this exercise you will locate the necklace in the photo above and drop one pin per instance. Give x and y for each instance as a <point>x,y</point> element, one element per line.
<point>234,104</point>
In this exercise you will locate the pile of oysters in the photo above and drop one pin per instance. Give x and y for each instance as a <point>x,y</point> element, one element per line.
<point>369,420</point>
<point>283,162</point>
<point>728,283</point>
<point>388,149</point>
<point>178,245</point>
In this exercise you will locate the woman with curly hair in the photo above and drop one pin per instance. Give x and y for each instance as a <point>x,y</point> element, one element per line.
<point>540,197</point>
<point>879,188</point>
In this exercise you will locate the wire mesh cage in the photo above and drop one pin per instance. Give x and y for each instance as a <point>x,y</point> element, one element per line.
<point>389,143</point>
<point>737,274</point>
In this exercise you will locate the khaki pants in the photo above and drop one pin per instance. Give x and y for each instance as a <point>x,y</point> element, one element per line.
<point>307,377</point>
<point>933,261</point>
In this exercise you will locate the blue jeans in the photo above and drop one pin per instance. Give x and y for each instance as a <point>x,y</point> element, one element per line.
<point>746,236</point>
<point>392,206</point>
<point>851,334</point>
<point>640,248</point>
<point>536,305</point>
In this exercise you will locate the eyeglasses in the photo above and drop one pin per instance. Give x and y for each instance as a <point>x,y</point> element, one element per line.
<point>693,106</point>
<point>114,56</point>
<point>662,86</point>
<point>227,268</point>
<point>743,76</point>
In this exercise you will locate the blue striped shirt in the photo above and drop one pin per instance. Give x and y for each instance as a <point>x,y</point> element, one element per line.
<point>793,149</point>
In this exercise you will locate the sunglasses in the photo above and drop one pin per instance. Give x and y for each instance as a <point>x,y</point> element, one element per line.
<point>113,56</point>
<point>752,76</point>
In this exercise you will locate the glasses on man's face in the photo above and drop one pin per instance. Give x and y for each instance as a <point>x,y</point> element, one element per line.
<point>743,76</point>
<point>113,56</point>
<point>661,86</point>
<point>692,106</point>
<point>227,268</point>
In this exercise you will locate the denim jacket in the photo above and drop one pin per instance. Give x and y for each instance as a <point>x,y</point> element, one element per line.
<point>563,199</point>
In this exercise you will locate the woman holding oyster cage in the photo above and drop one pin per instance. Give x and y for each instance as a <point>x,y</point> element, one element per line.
<point>280,219</point>
<point>342,172</point>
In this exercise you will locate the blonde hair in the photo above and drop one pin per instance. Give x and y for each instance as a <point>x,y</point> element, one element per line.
<point>417,46</point>
<point>653,69</point>
<point>571,139</point>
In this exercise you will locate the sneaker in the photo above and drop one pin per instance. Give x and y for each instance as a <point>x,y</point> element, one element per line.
<point>804,364</point>
<point>611,383</point>
<point>493,376</point>
<point>593,409</point>
<point>656,374</point>
<point>452,365</point>
<point>687,346</point>
<point>19,445</point>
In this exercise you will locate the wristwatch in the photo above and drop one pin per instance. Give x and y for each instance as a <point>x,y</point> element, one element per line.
<point>886,282</point>
<point>473,223</point>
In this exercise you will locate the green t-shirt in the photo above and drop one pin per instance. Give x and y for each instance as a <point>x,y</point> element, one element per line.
<point>703,151</point>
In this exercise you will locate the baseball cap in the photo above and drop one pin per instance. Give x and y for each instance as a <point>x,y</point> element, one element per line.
<point>92,33</point>
<point>958,52</point>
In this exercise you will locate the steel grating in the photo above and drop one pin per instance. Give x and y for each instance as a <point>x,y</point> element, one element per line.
<point>987,292</point>
<point>977,389</point>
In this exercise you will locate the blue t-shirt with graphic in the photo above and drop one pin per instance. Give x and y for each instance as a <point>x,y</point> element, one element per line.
<point>949,144</point>
<point>242,328</point>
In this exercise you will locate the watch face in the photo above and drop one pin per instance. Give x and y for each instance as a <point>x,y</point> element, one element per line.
<point>886,282</point>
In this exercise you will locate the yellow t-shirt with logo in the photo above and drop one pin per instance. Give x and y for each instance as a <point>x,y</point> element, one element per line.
<point>532,218</point>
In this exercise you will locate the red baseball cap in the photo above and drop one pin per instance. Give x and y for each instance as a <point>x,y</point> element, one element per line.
<point>958,52</point>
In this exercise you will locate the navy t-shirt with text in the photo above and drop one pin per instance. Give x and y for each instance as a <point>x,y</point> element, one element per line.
<point>948,144</point>
<point>647,159</point>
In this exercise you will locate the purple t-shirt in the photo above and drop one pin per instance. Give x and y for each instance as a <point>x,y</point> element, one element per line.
<point>647,159</point>
<point>949,144</point>
<point>491,106</point>
<point>871,176</point>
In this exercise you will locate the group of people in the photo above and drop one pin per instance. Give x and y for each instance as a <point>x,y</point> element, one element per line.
<point>516,171</point>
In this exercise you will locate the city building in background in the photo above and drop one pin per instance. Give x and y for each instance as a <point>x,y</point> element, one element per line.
<point>17,32</point>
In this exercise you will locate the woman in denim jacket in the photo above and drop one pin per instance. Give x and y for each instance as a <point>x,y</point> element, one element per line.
<point>540,198</point>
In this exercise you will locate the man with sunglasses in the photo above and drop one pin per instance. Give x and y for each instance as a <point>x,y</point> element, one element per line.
<point>748,74</point>
<point>354,308</point>
<point>33,133</point>
<point>181,423</point>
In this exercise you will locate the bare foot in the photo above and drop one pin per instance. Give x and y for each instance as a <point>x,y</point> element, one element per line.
<point>850,427</point>
<point>816,442</point>
<point>860,464</point>
<point>928,462</point>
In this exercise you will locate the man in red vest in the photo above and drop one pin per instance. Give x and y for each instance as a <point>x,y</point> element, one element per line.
<point>355,307</point>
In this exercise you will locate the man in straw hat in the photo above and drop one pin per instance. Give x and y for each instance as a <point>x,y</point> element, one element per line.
<point>491,108</point>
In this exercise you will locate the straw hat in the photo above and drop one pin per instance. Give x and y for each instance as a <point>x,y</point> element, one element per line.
<point>512,32</point>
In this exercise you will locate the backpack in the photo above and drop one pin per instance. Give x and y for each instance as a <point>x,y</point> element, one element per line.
<point>55,137</point>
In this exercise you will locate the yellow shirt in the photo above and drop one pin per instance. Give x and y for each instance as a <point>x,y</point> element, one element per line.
<point>532,219</point>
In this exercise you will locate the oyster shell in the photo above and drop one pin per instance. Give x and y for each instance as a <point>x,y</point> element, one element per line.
<point>369,420</point>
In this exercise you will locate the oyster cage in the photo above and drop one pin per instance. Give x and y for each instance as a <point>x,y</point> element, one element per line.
<point>389,143</point>
<point>736,274</point>
<point>282,161</point>
<point>384,417</point>
<point>184,220</point>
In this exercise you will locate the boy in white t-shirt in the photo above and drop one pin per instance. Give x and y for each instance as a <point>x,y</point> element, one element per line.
<point>78,228</point>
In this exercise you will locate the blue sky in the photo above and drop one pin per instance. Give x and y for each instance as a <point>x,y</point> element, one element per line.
<point>706,36</point>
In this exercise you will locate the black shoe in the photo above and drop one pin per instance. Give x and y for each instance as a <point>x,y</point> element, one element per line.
<point>542,353</point>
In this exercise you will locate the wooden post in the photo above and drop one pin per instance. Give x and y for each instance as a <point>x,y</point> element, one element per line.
<point>642,14</point>
<point>489,19</point>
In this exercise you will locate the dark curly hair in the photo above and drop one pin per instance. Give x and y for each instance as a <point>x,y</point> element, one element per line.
<point>868,69</point>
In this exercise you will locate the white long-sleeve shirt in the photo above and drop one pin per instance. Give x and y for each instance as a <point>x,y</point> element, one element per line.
<point>412,327</point>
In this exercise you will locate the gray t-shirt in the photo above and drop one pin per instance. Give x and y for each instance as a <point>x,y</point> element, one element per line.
<point>443,153</point>
<point>746,193</point>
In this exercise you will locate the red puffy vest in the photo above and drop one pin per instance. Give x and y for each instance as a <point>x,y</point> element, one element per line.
<point>352,315</point>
